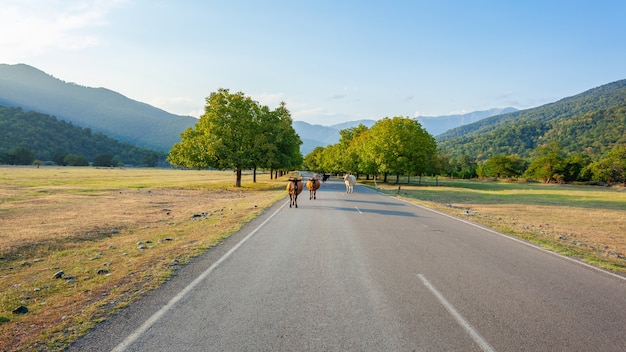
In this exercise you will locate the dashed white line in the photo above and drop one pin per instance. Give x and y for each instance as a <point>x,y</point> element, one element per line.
<point>480,341</point>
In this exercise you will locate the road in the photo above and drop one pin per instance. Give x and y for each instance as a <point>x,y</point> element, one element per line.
<point>368,272</point>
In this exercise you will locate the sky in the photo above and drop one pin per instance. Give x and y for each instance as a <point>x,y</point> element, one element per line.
<point>330,61</point>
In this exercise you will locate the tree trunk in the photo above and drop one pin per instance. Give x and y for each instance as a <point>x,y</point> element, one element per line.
<point>254,175</point>
<point>238,182</point>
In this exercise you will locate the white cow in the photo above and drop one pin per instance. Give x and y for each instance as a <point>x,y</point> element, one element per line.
<point>350,181</point>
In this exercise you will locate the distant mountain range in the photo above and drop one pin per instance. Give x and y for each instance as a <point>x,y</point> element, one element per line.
<point>592,121</point>
<point>317,135</point>
<point>127,120</point>
<point>100,109</point>
<point>436,125</point>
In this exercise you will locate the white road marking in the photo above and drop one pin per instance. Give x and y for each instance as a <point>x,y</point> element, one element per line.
<point>161,312</point>
<point>359,210</point>
<point>510,237</point>
<point>480,341</point>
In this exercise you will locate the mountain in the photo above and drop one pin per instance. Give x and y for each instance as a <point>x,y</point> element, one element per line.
<point>316,135</point>
<point>313,136</point>
<point>50,139</point>
<point>99,109</point>
<point>436,125</point>
<point>591,122</point>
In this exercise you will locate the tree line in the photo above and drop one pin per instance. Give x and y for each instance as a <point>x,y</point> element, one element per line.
<point>549,164</point>
<point>29,137</point>
<point>392,146</point>
<point>236,132</point>
<point>400,146</point>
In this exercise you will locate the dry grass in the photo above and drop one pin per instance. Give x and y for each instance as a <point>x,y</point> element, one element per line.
<point>114,233</point>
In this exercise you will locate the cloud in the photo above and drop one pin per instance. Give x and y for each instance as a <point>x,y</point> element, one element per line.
<point>34,27</point>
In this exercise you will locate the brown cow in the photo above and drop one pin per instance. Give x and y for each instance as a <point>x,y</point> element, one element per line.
<point>293,189</point>
<point>313,184</point>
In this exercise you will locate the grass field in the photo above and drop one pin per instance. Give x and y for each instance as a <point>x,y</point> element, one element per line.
<point>113,233</point>
<point>110,235</point>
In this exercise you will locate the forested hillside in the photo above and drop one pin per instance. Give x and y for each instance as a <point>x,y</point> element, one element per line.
<point>100,109</point>
<point>591,122</point>
<point>436,125</point>
<point>26,136</point>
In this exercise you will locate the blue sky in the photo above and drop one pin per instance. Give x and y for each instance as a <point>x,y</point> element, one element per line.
<point>330,61</point>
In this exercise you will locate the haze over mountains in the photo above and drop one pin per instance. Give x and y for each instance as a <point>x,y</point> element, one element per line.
<point>591,121</point>
<point>100,109</point>
<point>131,121</point>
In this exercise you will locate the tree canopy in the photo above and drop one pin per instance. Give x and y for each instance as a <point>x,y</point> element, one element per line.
<point>238,133</point>
<point>397,145</point>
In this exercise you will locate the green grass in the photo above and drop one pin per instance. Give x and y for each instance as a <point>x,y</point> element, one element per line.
<point>528,193</point>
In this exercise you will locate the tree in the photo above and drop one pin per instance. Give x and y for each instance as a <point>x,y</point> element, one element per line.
<point>237,133</point>
<point>281,140</point>
<point>105,160</point>
<point>574,166</point>
<point>612,168</point>
<point>400,145</point>
<point>21,156</point>
<point>464,167</point>
<point>502,165</point>
<point>313,162</point>
<point>548,165</point>
<point>349,157</point>
<point>75,160</point>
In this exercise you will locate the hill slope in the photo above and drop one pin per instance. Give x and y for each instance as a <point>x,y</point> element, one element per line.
<point>436,125</point>
<point>97,108</point>
<point>46,137</point>
<point>591,122</point>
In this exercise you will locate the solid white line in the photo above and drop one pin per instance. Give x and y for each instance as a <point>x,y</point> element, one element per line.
<point>480,341</point>
<point>512,238</point>
<point>161,312</point>
<point>359,210</point>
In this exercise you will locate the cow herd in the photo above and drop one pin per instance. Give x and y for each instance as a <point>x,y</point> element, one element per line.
<point>295,186</point>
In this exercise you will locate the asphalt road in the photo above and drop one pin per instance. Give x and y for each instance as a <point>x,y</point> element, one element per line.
<point>368,272</point>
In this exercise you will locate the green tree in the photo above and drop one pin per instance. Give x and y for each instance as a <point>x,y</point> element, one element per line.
<point>237,133</point>
<point>464,167</point>
<point>223,138</point>
<point>21,156</point>
<point>349,158</point>
<point>502,165</point>
<point>612,168</point>
<point>313,160</point>
<point>283,143</point>
<point>75,160</point>
<point>548,165</point>
<point>105,160</point>
<point>400,145</point>
<point>574,166</point>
